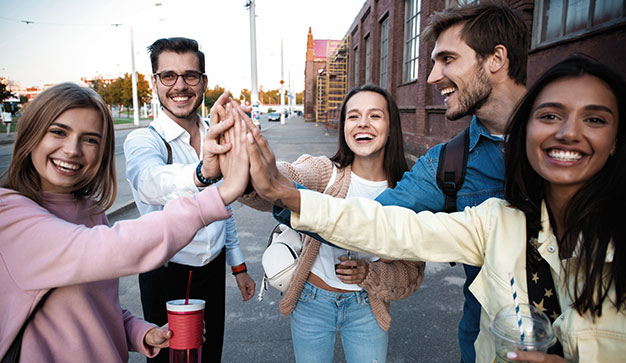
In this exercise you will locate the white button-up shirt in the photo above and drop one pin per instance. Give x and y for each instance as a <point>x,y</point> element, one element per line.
<point>153,183</point>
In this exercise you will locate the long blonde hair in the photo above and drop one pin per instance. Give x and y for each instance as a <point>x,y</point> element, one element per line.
<point>100,184</point>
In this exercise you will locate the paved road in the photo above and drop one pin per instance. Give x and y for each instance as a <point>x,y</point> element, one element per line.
<point>424,325</point>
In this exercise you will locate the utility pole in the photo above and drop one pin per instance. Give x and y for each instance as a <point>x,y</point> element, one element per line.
<point>254,91</point>
<point>282,85</point>
<point>134,80</point>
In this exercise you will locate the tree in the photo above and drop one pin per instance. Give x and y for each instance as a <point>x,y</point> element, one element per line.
<point>4,93</point>
<point>211,95</point>
<point>120,91</point>
<point>300,98</point>
<point>244,95</point>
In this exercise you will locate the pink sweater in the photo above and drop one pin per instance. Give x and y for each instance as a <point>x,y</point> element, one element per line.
<point>65,247</point>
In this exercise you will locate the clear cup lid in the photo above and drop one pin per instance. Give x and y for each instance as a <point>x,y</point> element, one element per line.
<point>537,328</point>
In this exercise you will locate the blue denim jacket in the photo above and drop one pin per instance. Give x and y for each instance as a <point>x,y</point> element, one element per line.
<point>418,190</point>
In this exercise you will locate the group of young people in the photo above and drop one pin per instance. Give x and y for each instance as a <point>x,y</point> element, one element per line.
<point>542,192</point>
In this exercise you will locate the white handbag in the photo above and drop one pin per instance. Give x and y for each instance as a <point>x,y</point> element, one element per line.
<point>280,258</point>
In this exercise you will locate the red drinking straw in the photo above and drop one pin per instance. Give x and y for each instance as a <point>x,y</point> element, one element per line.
<point>188,287</point>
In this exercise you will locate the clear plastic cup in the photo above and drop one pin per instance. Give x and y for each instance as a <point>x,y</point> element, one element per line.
<point>186,322</point>
<point>538,332</point>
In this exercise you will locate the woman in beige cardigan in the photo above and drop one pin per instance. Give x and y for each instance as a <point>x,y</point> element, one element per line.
<point>352,298</point>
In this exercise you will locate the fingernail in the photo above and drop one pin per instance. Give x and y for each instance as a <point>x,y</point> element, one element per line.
<point>511,355</point>
<point>250,137</point>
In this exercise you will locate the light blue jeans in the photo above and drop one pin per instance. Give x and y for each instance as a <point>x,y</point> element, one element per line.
<point>320,314</point>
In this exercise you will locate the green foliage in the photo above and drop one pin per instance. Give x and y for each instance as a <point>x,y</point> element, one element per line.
<point>4,93</point>
<point>211,95</point>
<point>120,91</point>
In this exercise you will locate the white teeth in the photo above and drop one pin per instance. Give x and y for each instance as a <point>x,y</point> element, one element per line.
<point>359,137</point>
<point>563,155</point>
<point>447,91</point>
<point>180,98</point>
<point>64,165</point>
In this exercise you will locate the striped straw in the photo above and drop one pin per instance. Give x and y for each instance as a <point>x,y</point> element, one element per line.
<point>517,313</point>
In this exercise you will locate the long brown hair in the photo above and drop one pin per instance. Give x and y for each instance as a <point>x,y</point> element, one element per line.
<point>100,184</point>
<point>596,212</point>
<point>394,162</point>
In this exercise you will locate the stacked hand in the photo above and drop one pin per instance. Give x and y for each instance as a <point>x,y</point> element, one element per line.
<point>232,141</point>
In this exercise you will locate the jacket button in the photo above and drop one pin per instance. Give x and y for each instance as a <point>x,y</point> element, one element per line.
<point>551,248</point>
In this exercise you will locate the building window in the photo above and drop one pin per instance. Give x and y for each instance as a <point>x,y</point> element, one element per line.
<point>561,19</point>
<point>356,67</point>
<point>368,54</point>
<point>411,39</point>
<point>384,45</point>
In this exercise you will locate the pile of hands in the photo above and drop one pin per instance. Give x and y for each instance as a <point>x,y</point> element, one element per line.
<point>235,149</point>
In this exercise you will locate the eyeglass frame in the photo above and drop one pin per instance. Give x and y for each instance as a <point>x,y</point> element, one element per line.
<point>158,75</point>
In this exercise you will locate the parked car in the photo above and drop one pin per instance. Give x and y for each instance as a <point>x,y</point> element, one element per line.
<point>273,116</point>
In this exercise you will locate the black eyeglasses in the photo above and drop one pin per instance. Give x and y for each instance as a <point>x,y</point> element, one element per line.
<point>170,78</point>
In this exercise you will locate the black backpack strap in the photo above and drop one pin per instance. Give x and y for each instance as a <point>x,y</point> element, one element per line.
<point>451,168</point>
<point>167,145</point>
<point>13,354</point>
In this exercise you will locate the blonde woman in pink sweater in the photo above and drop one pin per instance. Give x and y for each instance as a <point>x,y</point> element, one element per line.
<point>353,298</point>
<point>55,236</point>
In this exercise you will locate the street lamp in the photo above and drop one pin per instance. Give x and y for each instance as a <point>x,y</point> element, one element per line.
<point>254,92</point>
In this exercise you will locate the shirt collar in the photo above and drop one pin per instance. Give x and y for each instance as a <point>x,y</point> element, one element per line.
<point>477,130</point>
<point>170,130</point>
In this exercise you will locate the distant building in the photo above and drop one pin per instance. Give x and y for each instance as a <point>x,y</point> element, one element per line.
<point>316,53</point>
<point>385,49</point>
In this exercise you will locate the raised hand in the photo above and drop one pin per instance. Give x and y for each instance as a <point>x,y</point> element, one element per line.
<point>264,180</point>
<point>212,146</point>
<point>234,164</point>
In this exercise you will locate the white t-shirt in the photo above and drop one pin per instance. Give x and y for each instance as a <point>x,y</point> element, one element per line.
<point>324,265</point>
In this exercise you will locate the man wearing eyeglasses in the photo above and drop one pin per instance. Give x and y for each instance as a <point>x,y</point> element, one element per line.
<point>172,158</point>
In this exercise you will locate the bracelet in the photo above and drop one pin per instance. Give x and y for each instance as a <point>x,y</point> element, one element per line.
<point>239,269</point>
<point>202,179</point>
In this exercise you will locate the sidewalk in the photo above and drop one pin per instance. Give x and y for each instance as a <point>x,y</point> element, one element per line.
<point>8,139</point>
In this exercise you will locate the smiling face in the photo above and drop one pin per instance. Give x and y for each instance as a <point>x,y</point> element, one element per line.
<point>69,150</point>
<point>366,127</point>
<point>458,75</point>
<point>181,100</point>
<point>571,132</point>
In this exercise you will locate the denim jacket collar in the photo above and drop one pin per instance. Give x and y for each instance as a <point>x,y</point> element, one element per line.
<point>477,130</point>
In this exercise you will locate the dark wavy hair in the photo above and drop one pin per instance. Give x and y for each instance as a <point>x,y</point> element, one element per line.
<point>394,162</point>
<point>486,25</point>
<point>178,45</point>
<point>596,212</point>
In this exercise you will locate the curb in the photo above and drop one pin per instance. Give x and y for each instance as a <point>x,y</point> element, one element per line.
<point>114,212</point>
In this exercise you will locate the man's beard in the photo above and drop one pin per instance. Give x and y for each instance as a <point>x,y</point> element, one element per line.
<point>474,95</point>
<point>184,116</point>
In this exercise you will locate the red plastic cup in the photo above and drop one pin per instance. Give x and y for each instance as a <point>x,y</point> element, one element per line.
<point>186,323</point>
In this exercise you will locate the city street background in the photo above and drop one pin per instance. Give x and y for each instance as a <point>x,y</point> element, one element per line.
<point>424,326</point>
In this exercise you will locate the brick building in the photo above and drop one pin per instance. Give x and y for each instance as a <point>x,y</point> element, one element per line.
<point>316,52</point>
<point>385,49</point>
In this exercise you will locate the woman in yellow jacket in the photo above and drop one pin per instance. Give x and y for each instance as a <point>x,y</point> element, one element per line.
<point>565,192</point>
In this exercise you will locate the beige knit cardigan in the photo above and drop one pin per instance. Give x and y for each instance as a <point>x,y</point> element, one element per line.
<point>386,280</point>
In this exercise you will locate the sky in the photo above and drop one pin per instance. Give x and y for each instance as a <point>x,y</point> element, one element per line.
<point>70,39</point>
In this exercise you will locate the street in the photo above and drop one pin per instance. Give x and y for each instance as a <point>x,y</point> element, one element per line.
<point>424,326</point>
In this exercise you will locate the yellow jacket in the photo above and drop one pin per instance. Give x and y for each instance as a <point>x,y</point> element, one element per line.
<point>491,235</point>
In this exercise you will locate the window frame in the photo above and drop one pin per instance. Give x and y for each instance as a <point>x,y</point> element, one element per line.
<point>538,25</point>
<point>410,61</point>
<point>384,52</point>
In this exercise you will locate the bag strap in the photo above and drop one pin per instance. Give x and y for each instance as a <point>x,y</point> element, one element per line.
<point>451,168</point>
<point>167,145</point>
<point>13,354</point>
<point>541,289</point>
